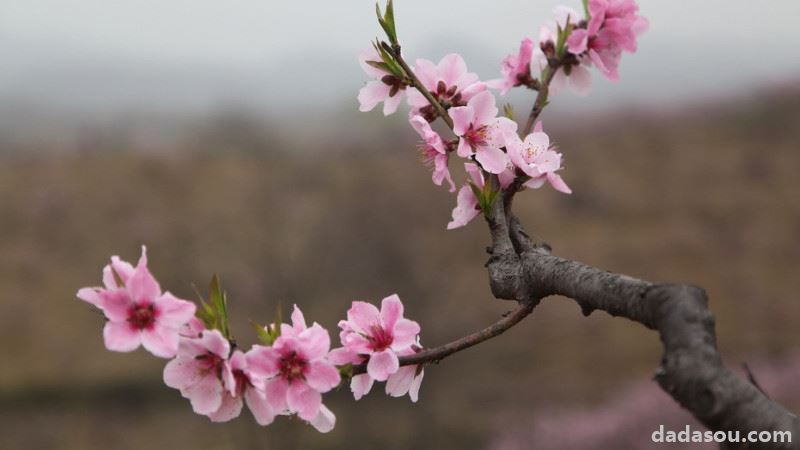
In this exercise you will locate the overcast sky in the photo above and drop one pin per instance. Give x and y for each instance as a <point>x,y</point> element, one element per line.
<point>188,55</point>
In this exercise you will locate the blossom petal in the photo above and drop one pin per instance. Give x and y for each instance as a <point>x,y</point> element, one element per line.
<point>205,395</point>
<point>181,372</point>
<point>360,385</point>
<point>371,94</point>
<point>322,376</point>
<point>91,296</point>
<point>391,311</point>
<point>405,334</point>
<point>382,364</point>
<point>580,80</point>
<point>303,400</point>
<point>275,391</point>
<point>400,382</point>
<point>363,316</point>
<point>174,312</point>
<point>229,408</point>
<point>257,402</point>
<point>263,361</point>
<point>121,337</point>
<point>116,304</point>
<point>485,108</point>
<point>463,117</point>
<point>558,183</point>
<point>160,341</point>
<point>324,421</point>
<point>492,159</point>
<point>413,391</point>
<point>298,319</point>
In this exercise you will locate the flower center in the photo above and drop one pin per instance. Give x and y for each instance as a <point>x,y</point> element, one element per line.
<point>292,366</point>
<point>242,381</point>
<point>379,339</point>
<point>142,316</point>
<point>211,363</point>
<point>477,137</point>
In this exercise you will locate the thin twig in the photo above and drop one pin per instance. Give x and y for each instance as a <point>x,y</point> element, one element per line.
<point>396,54</point>
<point>439,353</point>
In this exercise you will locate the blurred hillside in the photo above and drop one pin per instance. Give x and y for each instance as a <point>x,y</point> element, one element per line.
<point>706,195</point>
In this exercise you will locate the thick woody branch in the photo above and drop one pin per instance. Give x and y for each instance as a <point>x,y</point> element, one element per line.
<point>691,370</point>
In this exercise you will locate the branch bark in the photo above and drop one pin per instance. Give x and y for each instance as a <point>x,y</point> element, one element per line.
<point>691,369</point>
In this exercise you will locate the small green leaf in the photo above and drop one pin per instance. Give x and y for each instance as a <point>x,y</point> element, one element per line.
<point>386,21</point>
<point>508,111</point>
<point>219,303</point>
<point>586,9</point>
<point>346,371</point>
<point>266,335</point>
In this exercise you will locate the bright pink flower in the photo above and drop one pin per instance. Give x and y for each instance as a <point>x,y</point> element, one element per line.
<point>377,336</point>
<point>448,82</point>
<point>537,159</point>
<point>481,132</point>
<point>516,69</point>
<point>385,87</point>
<point>197,371</point>
<point>138,312</point>
<point>297,371</point>
<point>612,28</point>
<point>434,151</point>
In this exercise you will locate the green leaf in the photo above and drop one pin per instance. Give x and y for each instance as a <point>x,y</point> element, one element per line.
<point>586,9</point>
<point>386,21</point>
<point>346,371</point>
<point>266,335</point>
<point>508,110</point>
<point>219,303</point>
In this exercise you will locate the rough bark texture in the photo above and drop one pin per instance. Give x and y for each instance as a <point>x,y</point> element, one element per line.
<point>691,370</point>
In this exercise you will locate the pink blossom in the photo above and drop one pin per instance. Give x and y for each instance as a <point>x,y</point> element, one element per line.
<point>537,159</point>
<point>612,28</point>
<point>297,371</point>
<point>377,336</point>
<point>407,380</point>
<point>449,82</point>
<point>385,87</point>
<point>138,312</point>
<point>516,69</point>
<point>197,370</point>
<point>466,202</point>
<point>575,76</point>
<point>481,132</point>
<point>434,151</point>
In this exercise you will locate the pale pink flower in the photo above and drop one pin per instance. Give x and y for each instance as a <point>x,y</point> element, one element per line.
<point>537,159</point>
<point>407,380</point>
<point>377,336</point>
<point>466,202</point>
<point>575,76</point>
<point>241,386</point>
<point>449,82</point>
<point>481,132</point>
<point>385,87</point>
<point>612,28</point>
<point>297,371</point>
<point>138,312</point>
<point>434,151</point>
<point>516,68</point>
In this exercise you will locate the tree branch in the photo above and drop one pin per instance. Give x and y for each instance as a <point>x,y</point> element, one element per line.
<point>434,355</point>
<point>691,370</point>
<point>395,53</point>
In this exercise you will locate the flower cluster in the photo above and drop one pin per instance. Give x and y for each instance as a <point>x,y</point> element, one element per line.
<point>492,144</point>
<point>285,375</point>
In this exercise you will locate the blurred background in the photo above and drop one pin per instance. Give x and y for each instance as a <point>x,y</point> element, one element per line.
<point>226,137</point>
